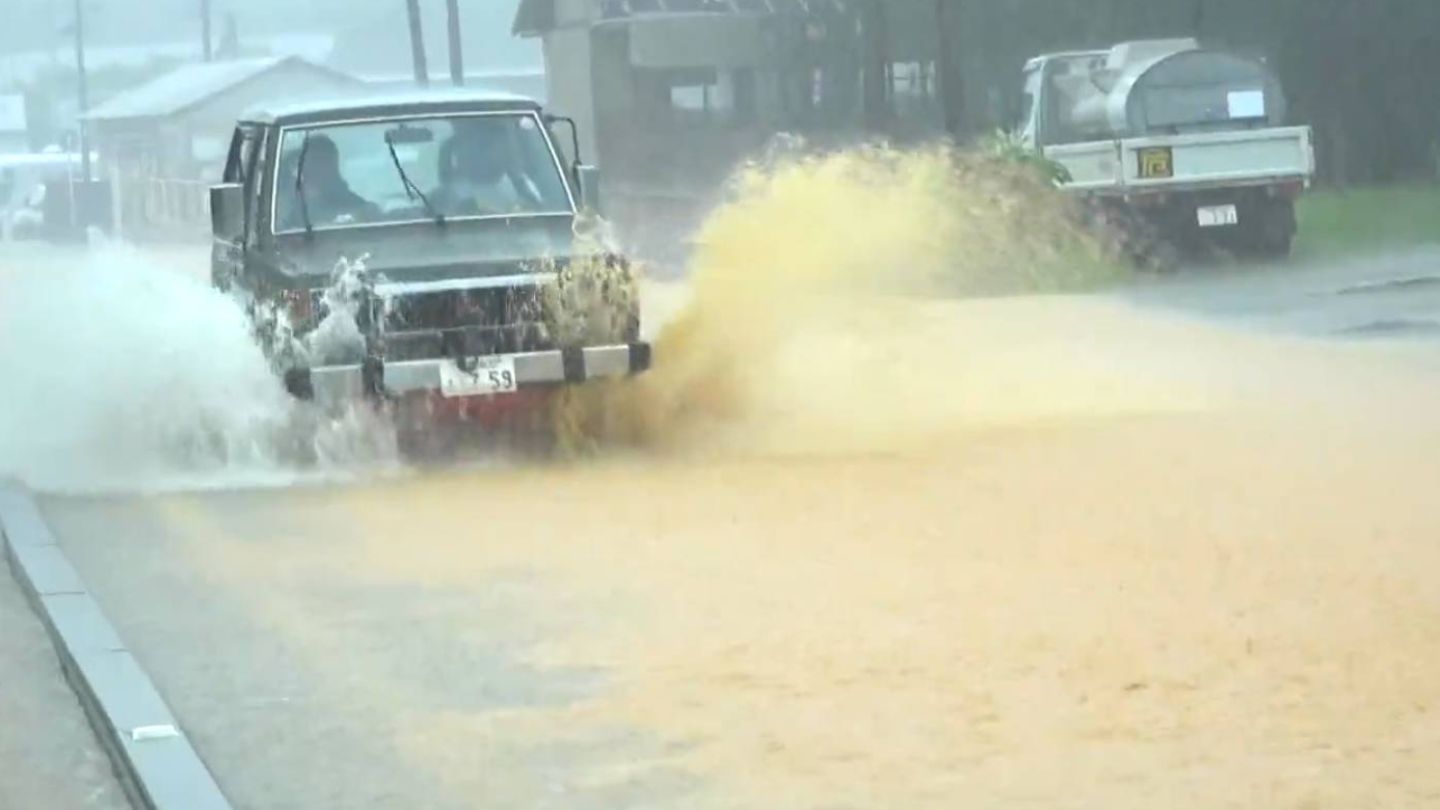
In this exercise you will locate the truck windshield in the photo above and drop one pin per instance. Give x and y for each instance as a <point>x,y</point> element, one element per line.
<point>466,166</point>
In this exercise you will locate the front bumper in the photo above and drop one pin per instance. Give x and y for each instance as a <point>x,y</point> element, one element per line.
<point>554,367</point>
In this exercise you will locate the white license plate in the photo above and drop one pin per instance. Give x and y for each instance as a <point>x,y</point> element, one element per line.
<point>491,375</point>
<point>1218,216</point>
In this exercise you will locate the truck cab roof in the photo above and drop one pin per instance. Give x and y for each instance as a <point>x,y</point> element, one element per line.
<point>1037,61</point>
<point>388,105</point>
<point>1125,54</point>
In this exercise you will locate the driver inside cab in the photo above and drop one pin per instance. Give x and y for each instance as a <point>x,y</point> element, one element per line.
<point>480,172</point>
<point>328,196</point>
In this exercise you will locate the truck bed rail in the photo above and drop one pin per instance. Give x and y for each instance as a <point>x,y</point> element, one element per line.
<point>1183,162</point>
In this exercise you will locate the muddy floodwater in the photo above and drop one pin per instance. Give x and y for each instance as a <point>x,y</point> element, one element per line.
<point>1228,599</point>
<point>1198,612</point>
<point>843,548</point>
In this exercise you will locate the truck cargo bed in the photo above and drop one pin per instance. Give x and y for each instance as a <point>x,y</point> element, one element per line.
<point>1185,162</point>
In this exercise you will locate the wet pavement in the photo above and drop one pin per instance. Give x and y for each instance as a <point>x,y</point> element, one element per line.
<point>304,687</point>
<point>49,758</point>
<point>1388,296</point>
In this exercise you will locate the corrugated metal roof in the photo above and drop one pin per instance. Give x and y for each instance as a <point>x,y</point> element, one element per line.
<point>625,9</point>
<point>187,86</point>
<point>535,17</point>
<point>22,67</point>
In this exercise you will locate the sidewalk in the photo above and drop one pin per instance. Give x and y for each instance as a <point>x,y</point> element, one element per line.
<point>49,758</point>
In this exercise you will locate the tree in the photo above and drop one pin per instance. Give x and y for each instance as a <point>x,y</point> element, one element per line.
<point>875,75</point>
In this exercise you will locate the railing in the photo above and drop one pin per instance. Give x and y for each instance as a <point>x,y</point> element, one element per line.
<point>157,208</point>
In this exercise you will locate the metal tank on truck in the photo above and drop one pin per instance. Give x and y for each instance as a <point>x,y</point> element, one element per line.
<point>1185,141</point>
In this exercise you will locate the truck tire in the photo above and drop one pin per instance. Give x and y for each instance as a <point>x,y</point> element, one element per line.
<point>1272,235</point>
<point>219,280</point>
<point>1135,238</point>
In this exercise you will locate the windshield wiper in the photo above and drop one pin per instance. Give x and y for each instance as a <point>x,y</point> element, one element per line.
<point>411,190</point>
<point>300,184</point>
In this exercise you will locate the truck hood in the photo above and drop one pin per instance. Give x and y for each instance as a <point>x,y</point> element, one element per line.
<point>415,252</point>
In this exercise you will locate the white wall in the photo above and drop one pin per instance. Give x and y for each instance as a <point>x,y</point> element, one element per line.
<point>570,87</point>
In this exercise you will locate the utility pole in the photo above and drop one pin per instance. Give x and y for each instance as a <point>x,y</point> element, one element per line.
<point>457,56</point>
<point>875,74</point>
<point>206,50</point>
<point>229,47</point>
<point>950,85</point>
<point>82,92</point>
<point>417,44</point>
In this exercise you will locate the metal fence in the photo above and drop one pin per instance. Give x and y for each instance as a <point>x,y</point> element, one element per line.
<point>149,208</point>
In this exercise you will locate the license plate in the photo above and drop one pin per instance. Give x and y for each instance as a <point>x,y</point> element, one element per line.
<point>1156,163</point>
<point>494,374</point>
<point>1218,216</point>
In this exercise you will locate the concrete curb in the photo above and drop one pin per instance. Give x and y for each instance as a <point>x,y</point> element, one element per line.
<point>158,768</point>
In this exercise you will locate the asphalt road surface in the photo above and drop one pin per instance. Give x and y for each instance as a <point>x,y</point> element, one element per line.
<point>1170,548</point>
<point>1395,296</point>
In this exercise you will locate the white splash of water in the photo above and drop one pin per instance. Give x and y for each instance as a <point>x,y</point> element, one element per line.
<point>337,338</point>
<point>123,375</point>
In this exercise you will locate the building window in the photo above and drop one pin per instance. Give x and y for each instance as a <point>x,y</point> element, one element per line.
<point>704,96</point>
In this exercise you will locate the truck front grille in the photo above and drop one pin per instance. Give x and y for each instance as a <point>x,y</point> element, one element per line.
<point>464,322</point>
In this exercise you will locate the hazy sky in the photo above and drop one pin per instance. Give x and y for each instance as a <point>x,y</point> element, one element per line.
<point>32,24</point>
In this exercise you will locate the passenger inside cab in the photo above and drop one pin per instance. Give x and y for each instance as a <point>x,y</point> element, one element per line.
<point>481,171</point>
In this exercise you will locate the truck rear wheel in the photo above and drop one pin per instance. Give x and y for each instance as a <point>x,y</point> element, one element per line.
<point>1271,233</point>
<point>1132,236</point>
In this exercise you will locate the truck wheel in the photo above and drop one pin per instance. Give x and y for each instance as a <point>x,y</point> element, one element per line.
<point>426,446</point>
<point>1273,233</point>
<point>1145,244</point>
<point>219,279</point>
<point>420,438</point>
<point>222,270</point>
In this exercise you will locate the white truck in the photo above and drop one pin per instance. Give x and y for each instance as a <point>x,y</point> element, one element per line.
<point>24,178</point>
<point>1185,141</point>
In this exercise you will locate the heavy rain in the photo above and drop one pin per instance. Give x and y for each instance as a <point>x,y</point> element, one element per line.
<point>719,403</point>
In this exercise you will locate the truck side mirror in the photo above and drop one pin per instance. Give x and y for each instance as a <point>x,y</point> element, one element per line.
<point>587,182</point>
<point>227,211</point>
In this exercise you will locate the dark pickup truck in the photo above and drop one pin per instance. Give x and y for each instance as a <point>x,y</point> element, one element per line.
<point>409,248</point>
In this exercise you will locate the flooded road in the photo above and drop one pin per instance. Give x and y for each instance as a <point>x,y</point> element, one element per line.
<point>1102,554</point>
<point>1187,610</point>
<point>1171,545</point>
